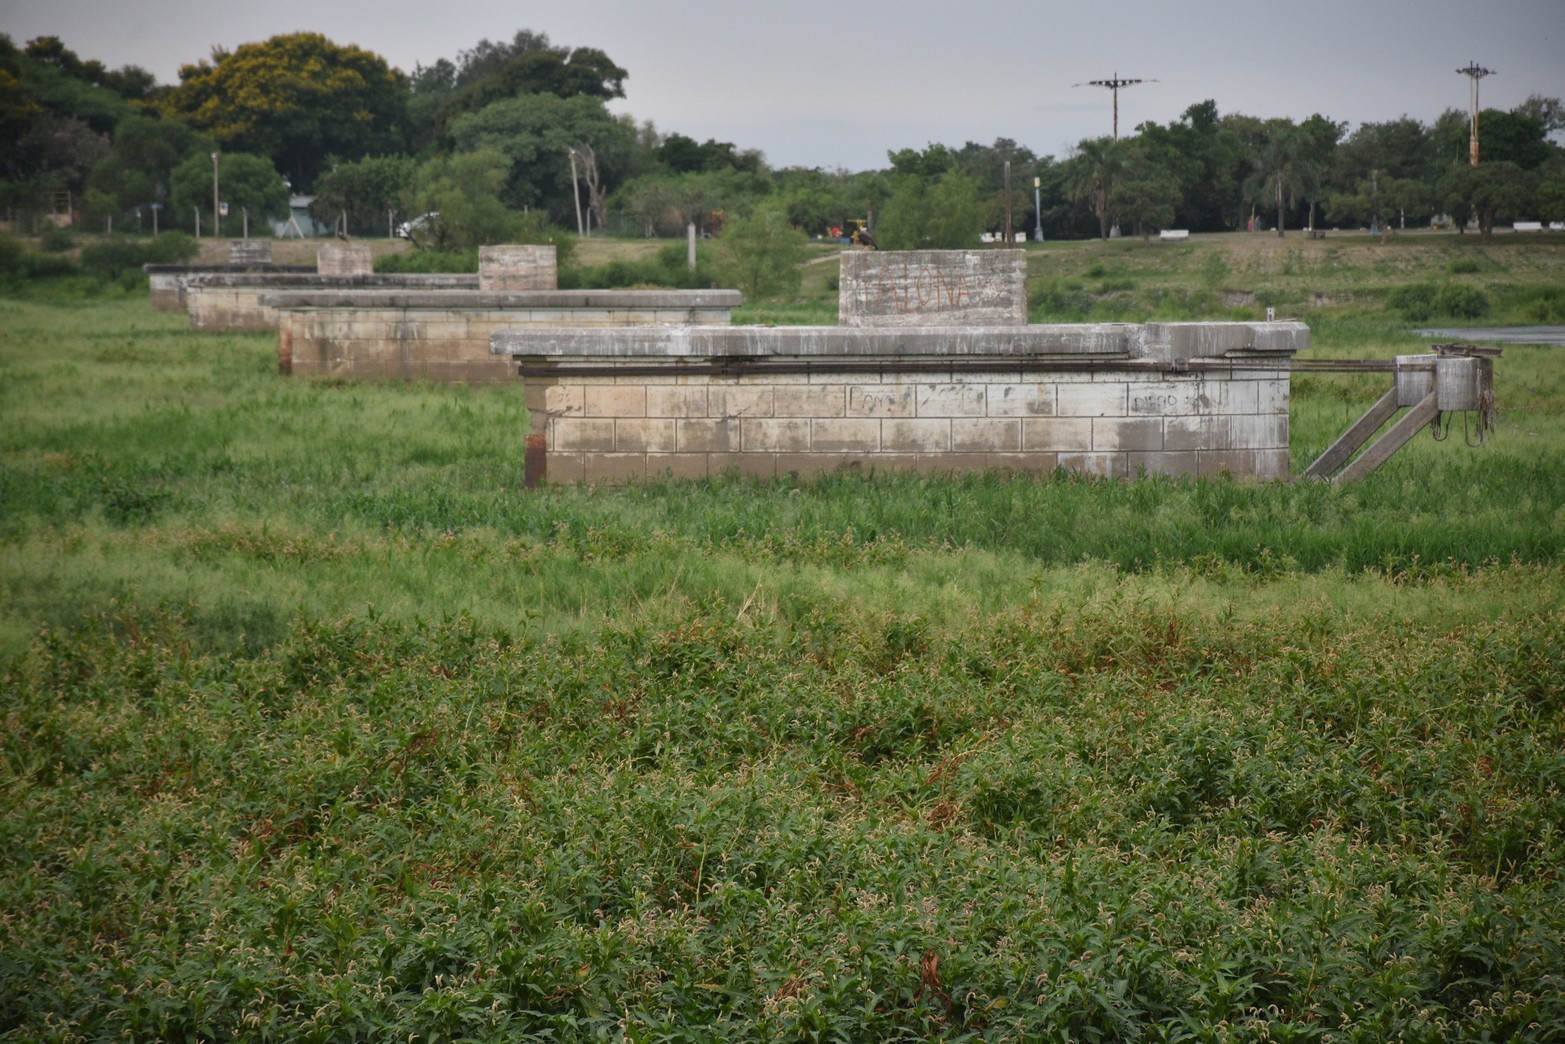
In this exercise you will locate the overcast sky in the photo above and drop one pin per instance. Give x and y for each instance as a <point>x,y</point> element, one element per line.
<point>838,83</point>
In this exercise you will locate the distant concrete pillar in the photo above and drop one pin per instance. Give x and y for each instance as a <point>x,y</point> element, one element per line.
<point>690,245</point>
<point>517,267</point>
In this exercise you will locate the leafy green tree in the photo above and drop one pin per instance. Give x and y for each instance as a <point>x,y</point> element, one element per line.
<point>1207,157</point>
<point>537,133</point>
<point>492,71</point>
<point>145,150</point>
<point>1400,148</point>
<point>945,213</point>
<point>681,155</point>
<point>760,254</point>
<point>1498,191</point>
<point>298,99</point>
<point>664,204</point>
<point>464,189</point>
<point>1145,194</point>
<point>247,183</point>
<point>371,193</point>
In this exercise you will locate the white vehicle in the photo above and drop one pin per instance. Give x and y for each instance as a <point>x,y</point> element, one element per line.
<point>413,227</point>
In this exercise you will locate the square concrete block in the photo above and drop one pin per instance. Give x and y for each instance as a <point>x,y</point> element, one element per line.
<point>1024,399</point>
<point>950,400</point>
<point>1174,464</point>
<point>677,466</point>
<point>1119,433</point>
<point>1259,431</point>
<point>741,400</point>
<point>644,435</point>
<point>1262,464</point>
<point>676,400</point>
<point>1023,463</point>
<point>616,401</point>
<point>707,435</point>
<point>883,400</point>
<point>565,400</point>
<point>1171,398</point>
<point>986,435</point>
<point>931,435</point>
<point>1058,434</point>
<point>1273,395</point>
<point>844,436</point>
<point>801,464</point>
<point>1101,465</point>
<point>574,433</point>
<point>755,465</point>
<point>614,467</point>
<point>811,400</point>
<point>1091,400</point>
<point>775,435</point>
<point>1196,433</point>
<point>565,467</point>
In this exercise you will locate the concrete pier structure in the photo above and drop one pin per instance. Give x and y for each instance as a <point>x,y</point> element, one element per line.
<point>1111,399</point>
<point>444,335</point>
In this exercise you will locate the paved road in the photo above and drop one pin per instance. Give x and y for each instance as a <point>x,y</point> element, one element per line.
<point>1499,334</point>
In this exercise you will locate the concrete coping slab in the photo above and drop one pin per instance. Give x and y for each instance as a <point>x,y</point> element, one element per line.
<point>1105,341</point>
<point>309,279</point>
<point>252,268</point>
<point>500,300</point>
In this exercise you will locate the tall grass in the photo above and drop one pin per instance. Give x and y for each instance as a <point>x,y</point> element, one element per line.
<point>318,726</point>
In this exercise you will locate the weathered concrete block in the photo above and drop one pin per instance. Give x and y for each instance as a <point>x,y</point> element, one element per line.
<point>1021,399</point>
<point>986,435</point>
<point>845,436</point>
<point>575,433</point>
<point>933,288</point>
<point>880,400</point>
<point>775,435</point>
<point>741,401</point>
<point>1060,434</point>
<point>707,435</point>
<point>676,400</point>
<point>645,435</point>
<point>811,400</point>
<point>513,267</point>
<point>250,252</point>
<point>931,435</point>
<point>1196,433</point>
<point>616,400</point>
<point>951,400</point>
<point>678,466</point>
<point>1110,434</point>
<point>613,468</point>
<point>1102,465</point>
<point>344,259</point>
<point>1092,400</point>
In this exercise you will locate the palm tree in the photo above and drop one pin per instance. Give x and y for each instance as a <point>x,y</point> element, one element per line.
<point>1090,176</point>
<point>1284,167</point>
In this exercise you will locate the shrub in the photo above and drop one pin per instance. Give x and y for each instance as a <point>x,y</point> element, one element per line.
<point>1464,266</point>
<point>1461,302</point>
<point>1416,302</point>
<point>56,241</point>
<point>429,261</point>
<point>113,257</point>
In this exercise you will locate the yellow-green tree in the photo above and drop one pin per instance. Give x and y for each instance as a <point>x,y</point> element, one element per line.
<point>298,99</point>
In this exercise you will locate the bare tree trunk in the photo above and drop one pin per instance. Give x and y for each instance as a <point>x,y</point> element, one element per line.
<point>1279,206</point>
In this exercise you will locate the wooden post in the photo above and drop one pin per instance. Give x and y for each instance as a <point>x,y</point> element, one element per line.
<point>1393,440</point>
<point>1349,442</point>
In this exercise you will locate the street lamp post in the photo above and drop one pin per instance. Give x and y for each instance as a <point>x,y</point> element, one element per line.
<point>217,220</point>
<point>1037,208</point>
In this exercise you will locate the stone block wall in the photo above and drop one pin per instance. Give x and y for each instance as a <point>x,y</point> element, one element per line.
<point>932,288</point>
<point>445,335</point>
<point>344,259</point>
<point>993,404</point>
<point>233,301</point>
<point>510,267</point>
<point>250,252</point>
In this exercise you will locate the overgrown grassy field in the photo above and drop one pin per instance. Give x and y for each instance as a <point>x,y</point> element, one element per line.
<point>318,727</point>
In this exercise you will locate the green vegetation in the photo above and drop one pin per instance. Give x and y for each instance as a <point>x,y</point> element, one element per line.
<point>318,726</point>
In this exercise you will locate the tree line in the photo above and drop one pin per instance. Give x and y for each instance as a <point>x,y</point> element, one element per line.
<point>512,140</point>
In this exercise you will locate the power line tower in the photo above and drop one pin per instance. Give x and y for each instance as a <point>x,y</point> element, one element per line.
<point>1114,83</point>
<point>1474,72</point>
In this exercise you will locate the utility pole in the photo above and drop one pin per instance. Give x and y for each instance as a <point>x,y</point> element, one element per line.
<point>575,195</point>
<point>217,221</point>
<point>1474,72</point>
<point>1114,83</point>
<point>1037,208</point>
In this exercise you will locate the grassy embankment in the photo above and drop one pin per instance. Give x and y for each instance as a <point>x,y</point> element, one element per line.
<point>316,725</point>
